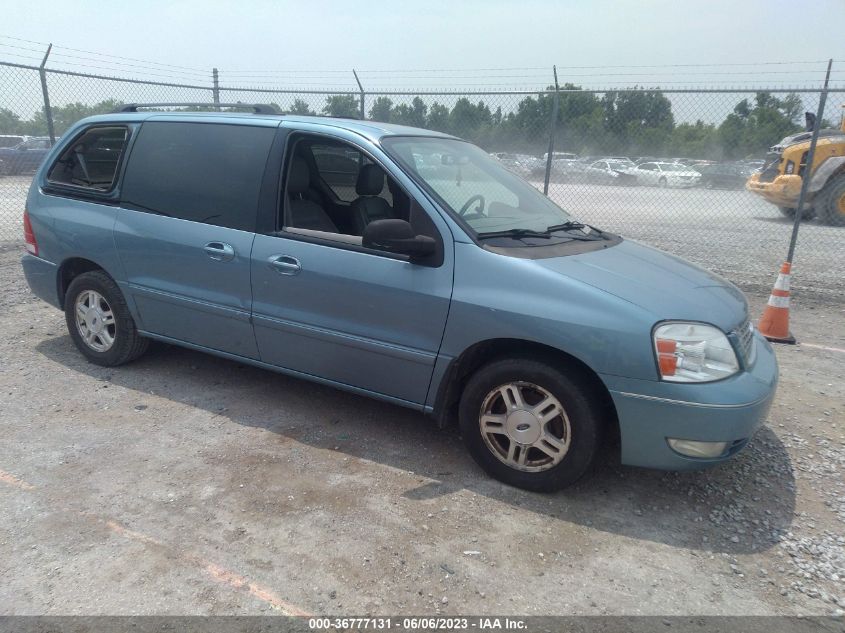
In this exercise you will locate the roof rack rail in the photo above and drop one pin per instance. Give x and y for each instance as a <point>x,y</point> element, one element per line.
<point>257,108</point>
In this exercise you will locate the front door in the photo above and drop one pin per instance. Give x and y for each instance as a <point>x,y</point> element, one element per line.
<point>326,307</point>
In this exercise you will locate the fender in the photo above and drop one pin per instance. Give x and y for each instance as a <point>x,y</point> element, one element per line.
<point>825,172</point>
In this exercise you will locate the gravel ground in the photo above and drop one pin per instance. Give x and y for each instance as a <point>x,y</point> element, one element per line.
<point>733,233</point>
<point>187,484</point>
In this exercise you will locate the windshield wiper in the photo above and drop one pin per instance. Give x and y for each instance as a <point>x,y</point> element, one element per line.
<point>566,226</point>
<point>572,225</point>
<point>547,234</point>
<point>516,233</point>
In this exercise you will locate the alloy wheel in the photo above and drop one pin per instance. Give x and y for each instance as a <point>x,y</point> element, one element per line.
<point>525,426</point>
<point>95,320</point>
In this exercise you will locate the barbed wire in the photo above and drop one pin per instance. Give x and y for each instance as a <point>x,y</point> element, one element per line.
<point>79,50</point>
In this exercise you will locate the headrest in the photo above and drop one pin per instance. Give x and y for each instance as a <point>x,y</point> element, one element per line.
<point>298,177</point>
<point>370,181</point>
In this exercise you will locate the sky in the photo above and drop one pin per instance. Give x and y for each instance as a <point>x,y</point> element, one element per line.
<point>452,45</point>
<point>303,43</point>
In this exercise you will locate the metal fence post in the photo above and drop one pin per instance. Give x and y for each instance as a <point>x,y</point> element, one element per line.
<point>552,131</point>
<point>48,110</point>
<point>215,90</point>
<point>807,176</point>
<point>361,88</point>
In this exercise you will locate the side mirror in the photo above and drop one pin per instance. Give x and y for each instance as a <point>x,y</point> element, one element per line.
<point>397,236</point>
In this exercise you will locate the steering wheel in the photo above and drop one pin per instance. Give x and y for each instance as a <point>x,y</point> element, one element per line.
<point>478,210</point>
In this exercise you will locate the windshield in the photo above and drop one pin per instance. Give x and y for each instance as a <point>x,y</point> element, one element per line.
<point>673,167</point>
<point>475,186</point>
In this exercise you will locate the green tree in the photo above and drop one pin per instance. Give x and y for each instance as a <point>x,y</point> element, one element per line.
<point>413,114</point>
<point>696,140</point>
<point>341,105</point>
<point>381,109</point>
<point>10,123</point>
<point>466,119</point>
<point>640,122</point>
<point>438,117</point>
<point>750,129</point>
<point>301,108</point>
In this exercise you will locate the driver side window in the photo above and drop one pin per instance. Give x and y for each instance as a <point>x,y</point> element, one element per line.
<point>332,191</point>
<point>336,189</point>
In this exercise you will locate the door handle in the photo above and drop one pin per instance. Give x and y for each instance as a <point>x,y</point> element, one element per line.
<point>285,264</point>
<point>220,251</point>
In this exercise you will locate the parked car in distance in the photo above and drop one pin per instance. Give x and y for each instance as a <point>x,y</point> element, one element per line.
<point>666,175</point>
<point>447,285</point>
<point>521,164</point>
<point>11,140</point>
<point>754,164</point>
<point>560,156</point>
<point>644,159</point>
<point>618,159</point>
<point>609,172</point>
<point>25,156</point>
<point>723,175</point>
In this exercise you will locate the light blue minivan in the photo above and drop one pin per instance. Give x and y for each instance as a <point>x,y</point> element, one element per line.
<point>398,263</point>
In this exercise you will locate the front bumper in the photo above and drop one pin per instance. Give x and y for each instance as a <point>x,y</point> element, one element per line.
<point>41,277</point>
<point>783,191</point>
<point>729,410</point>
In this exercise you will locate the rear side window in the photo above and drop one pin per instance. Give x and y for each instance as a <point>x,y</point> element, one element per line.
<point>91,161</point>
<point>201,172</point>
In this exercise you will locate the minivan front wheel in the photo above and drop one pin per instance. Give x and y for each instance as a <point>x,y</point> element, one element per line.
<point>530,424</point>
<point>99,321</point>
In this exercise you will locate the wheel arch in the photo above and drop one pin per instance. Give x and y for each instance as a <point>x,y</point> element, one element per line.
<point>826,172</point>
<point>70,269</point>
<point>483,352</point>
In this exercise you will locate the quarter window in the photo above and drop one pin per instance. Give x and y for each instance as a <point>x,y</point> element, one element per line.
<point>91,160</point>
<point>209,173</point>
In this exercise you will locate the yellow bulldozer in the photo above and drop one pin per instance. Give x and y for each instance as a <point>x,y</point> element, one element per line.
<point>779,181</point>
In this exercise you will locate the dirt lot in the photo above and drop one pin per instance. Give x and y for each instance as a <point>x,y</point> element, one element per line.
<point>186,484</point>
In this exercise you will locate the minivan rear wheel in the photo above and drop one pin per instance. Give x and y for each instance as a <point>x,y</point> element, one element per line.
<point>529,424</point>
<point>99,321</point>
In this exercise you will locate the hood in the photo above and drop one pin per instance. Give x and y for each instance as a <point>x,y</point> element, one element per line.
<point>664,285</point>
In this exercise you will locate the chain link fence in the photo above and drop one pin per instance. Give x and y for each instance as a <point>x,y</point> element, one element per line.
<point>664,167</point>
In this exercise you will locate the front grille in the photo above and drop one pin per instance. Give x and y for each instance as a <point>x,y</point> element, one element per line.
<point>745,335</point>
<point>770,171</point>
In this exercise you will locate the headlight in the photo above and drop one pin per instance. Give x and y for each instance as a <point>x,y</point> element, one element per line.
<point>693,352</point>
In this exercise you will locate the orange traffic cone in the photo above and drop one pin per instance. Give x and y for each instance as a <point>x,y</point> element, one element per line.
<point>774,324</point>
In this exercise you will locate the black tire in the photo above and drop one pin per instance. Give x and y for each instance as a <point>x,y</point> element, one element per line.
<point>789,212</point>
<point>832,204</point>
<point>127,343</point>
<point>582,408</point>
